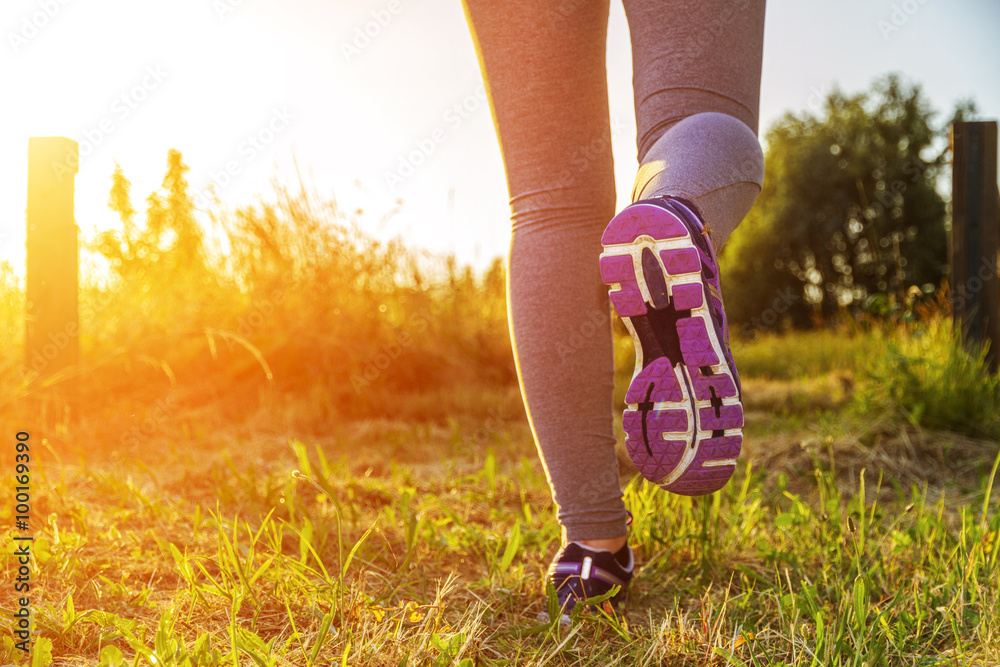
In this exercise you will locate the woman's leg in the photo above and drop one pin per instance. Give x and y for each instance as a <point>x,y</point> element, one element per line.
<point>543,62</point>
<point>696,79</point>
<point>696,76</point>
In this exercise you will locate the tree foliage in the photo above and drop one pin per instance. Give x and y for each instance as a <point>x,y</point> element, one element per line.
<point>850,208</point>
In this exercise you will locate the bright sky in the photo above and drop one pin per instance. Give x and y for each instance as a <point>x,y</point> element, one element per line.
<point>249,84</point>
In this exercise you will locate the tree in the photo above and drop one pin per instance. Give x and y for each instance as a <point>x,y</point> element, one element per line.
<point>849,209</point>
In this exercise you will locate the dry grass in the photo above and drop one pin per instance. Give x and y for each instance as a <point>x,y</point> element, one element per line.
<point>429,571</point>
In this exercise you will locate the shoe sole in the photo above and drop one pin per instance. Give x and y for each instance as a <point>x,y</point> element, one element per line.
<point>683,419</point>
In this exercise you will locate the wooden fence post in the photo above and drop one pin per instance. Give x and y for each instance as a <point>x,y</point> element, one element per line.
<point>975,234</point>
<point>52,263</point>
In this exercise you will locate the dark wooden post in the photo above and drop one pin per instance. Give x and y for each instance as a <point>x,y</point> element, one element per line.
<point>52,266</point>
<point>975,228</point>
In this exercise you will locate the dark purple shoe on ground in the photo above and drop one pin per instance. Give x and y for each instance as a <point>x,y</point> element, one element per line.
<point>579,573</point>
<point>683,419</point>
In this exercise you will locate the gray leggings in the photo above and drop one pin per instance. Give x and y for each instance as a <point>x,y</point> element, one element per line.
<point>696,78</point>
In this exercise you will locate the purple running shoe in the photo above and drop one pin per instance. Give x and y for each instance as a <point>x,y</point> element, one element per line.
<point>579,573</point>
<point>683,419</point>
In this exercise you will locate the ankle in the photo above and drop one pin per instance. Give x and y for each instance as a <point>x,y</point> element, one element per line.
<point>613,544</point>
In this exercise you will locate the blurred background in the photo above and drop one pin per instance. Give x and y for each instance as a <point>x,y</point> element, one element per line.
<point>301,206</point>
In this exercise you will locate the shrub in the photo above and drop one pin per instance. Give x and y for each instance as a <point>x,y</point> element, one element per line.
<point>925,373</point>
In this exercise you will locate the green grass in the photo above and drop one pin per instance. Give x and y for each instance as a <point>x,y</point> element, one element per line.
<point>401,544</point>
<point>807,354</point>
<point>220,489</point>
<point>924,374</point>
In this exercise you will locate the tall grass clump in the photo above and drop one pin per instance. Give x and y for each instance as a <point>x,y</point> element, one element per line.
<point>925,373</point>
<point>287,306</point>
<point>11,314</point>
